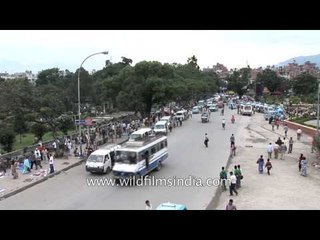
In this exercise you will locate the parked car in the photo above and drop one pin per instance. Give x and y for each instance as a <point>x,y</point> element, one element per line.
<point>213,108</point>
<point>195,110</point>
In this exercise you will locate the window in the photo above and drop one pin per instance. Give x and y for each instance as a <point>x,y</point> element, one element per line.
<point>153,150</point>
<point>165,143</point>
<point>161,145</point>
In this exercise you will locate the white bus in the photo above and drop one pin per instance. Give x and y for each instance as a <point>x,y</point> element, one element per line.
<point>131,158</point>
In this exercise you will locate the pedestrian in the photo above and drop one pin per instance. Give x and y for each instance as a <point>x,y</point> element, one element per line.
<point>232,139</point>
<point>51,162</point>
<point>270,150</point>
<point>14,172</point>
<point>304,167</point>
<point>261,163</point>
<point>268,166</point>
<point>285,130</point>
<point>241,174</point>
<point>233,182</point>
<point>277,123</point>
<point>272,124</point>
<point>148,205</point>
<point>290,145</point>
<point>223,178</point>
<point>283,150</point>
<point>276,150</point>
<point>230,205</point>
<point>299,134</point>
<point>54,145</point>
<point>233,149</point>
<point>37,154</point>
<point>206,140</point>
<point>300,159</point>
<point>26,166</point>
<point>279,142</point>
<point>45,155</point>
<point>237,173</point>
<point>270,120</point>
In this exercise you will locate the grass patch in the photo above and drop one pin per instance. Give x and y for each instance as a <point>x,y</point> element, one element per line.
<point>302,121</point>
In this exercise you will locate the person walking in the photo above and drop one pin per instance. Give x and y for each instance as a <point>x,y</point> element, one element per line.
<point>299,134</point>
<point>233,182</point>
<point>290,145</point>
<point>14,172</point>
<point>261,163</point>
<point>51,162</point>
<point>300,159</point>
<point>206,140</point>
<point>26,166</point>
<point>268,166</point>
<point>237,173</point>
<point>276,150</point>
<point>272,124</point>
<point>277,123</point>
<point>232,139</point>
<point>223,124</point>
<point>148,205</point>
<point>233,150</point>
<point>230,205</point>
<point>285,130</point>
<point>270,150</point>
<point>304,167</point>
<point>283,150</point>
<point>223,178</point>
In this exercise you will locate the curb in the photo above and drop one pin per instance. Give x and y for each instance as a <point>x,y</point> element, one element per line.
<point>47,177</point>
<point>215,200</point>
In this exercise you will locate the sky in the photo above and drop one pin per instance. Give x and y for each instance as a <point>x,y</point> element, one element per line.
<point>37,50</point>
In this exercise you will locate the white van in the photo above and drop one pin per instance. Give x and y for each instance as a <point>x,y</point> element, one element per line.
<point>167,119</point>
<point>101,160</point>
<point>246,109</point>
<point>161,127</point>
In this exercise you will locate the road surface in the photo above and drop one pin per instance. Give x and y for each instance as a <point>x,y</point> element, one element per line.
<point>187,157</point>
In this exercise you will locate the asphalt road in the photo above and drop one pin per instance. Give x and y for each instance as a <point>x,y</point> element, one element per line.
<point>187,157</point>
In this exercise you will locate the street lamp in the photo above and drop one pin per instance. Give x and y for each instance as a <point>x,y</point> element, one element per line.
<point>318,108</point>
<point>79,107</point>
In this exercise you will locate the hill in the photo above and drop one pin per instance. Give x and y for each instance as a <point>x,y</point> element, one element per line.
<point>302,59</point>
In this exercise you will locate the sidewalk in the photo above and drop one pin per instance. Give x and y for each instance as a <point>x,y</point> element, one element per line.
<point>10,186</point>
<point>284,188</point>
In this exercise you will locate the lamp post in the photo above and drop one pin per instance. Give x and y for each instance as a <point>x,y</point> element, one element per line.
<point>318,108</point>
<point>79,106</point>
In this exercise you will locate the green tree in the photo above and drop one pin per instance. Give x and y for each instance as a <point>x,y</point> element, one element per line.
<point>271,80</point>
<point>126,61</point>
<point>19,124</point>
<point>193,61</point>
<point>38,130</point>
<point>65,123</point>
<point>7,137</point>
<point>305,84</point>
<point>49,76</point>
<point>238,81</point>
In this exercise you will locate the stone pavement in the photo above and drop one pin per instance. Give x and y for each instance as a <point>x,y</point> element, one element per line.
<point>284,188</point>
<point>10,186</point>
